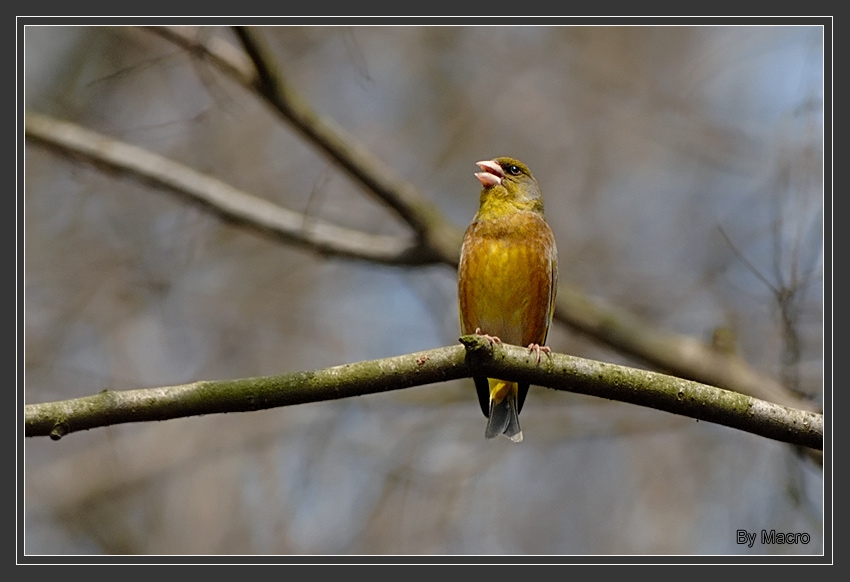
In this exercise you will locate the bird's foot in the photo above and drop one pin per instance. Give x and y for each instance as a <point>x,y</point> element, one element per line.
<point>491,338</point>
<point>538,348</point>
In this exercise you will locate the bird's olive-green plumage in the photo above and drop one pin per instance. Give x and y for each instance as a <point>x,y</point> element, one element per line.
<point>507,279</point>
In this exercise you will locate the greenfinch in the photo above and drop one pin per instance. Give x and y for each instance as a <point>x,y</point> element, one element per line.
<point>507,279</point>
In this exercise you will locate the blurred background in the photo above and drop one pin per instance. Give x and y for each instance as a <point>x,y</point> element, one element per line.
<point>682,174</point>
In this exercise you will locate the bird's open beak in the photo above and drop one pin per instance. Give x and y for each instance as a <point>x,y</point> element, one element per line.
<point>492,173</point>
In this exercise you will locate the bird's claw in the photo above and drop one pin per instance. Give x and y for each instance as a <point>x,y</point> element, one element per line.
<point>538,348</point>
<point>490,338</point>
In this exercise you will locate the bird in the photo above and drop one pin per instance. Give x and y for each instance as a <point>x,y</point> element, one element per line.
<point>507,280</point>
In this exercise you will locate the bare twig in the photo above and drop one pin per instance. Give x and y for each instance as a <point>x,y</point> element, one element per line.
<point>221,198</point>
<point>477,356</point>
<point>424,218</point>
<point>260,76</point>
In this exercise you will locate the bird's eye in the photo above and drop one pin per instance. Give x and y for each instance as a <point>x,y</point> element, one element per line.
<point>514,170</point>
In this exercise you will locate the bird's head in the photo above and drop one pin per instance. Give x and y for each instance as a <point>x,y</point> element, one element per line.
<point>508,183</point>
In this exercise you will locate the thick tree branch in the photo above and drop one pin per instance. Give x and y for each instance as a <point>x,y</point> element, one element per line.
<point>477,356</point>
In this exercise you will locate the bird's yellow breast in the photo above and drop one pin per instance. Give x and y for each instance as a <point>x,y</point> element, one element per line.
<point>506,278</point>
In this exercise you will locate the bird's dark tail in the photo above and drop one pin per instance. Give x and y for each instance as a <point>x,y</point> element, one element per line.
<point>504,412</point>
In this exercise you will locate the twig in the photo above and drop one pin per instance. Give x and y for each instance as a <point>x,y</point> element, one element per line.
<point>259,76</point>
<point>476,356</point>
<point>221,198</point>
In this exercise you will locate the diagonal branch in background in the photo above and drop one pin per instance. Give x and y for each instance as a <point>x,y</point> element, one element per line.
<point>424,218</point>
<point>477,356</point>
<point>259,75</point>
<point>219,197</point>
<point>673,353</point>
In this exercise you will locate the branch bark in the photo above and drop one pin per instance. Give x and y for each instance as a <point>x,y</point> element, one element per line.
<point>477,356</point>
